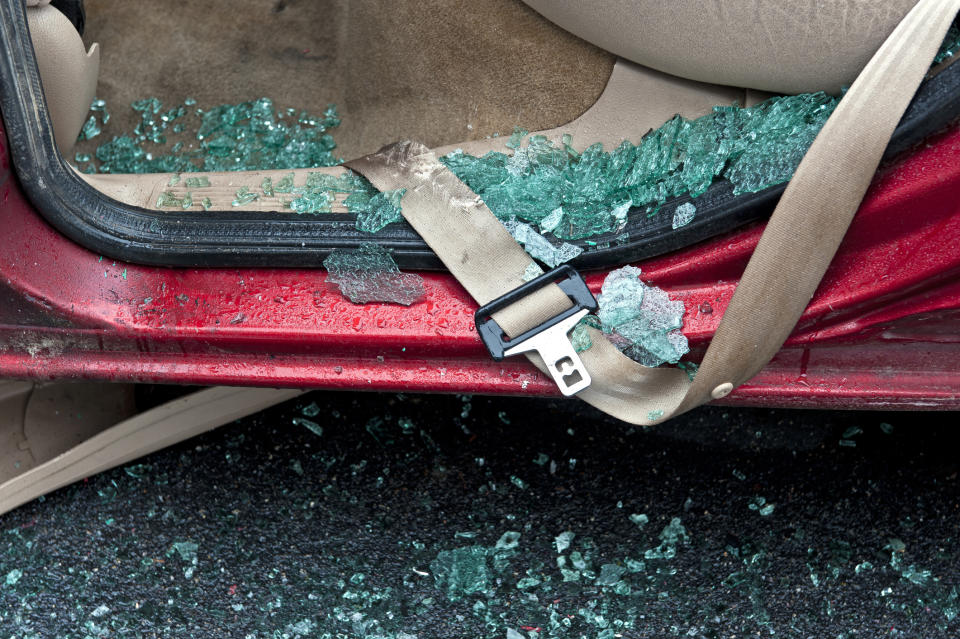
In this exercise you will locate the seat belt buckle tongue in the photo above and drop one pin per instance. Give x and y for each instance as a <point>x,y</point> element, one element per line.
<point>550,339</point>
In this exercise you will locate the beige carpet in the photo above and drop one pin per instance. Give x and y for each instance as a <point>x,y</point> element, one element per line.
<point>438,71</point>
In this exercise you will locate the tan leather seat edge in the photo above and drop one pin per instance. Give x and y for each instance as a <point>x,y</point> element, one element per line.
<point>68,71</point>
<point>770,45</point>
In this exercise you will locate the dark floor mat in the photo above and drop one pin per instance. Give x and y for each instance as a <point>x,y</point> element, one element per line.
<point>392,517</point>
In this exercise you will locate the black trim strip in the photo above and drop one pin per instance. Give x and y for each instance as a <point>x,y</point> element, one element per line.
<point>258,239</point>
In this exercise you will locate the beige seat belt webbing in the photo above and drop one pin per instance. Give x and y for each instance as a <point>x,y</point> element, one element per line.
<point>793,254</point>
<point>142,434</point>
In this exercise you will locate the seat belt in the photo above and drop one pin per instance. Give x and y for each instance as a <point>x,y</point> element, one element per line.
<point>793,254</point>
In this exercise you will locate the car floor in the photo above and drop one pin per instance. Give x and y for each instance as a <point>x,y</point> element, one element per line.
<point>437,71</point>
<point>397,516</point>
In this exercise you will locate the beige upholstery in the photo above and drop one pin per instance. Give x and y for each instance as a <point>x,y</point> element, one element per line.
<point>55,434</point>
<point>782,46</point>
<point>68,71</point>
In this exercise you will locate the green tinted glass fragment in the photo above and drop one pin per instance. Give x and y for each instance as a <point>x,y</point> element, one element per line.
<point>462,571</point>
<point>672,535</point>
<point>369,274</point>
<point>90,129</point>
<point>516,138</point>
<point>285,184</point>
<point>950,46</point>
<point>168,198</point>
<point>245,196</point>
<point>187,550</point>
<point>579,195</point>
<point>563,541</point>
<point>380,210</point>
<point>267,186</point>
<point>312,202</point>
<point>642,320</point>
<point>532,272</point>
<point>309,424</point>
<point>540,247</point>
<point>197,182</point>
<point>508,541</point>
<point>760,505</point>
<point>683,215</point>
<point>580,338</point>
<point>527,582</point>
<point>610,574</point>
<point>229,137</point>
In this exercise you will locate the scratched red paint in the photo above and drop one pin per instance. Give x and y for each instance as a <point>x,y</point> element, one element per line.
<point>881,331</point>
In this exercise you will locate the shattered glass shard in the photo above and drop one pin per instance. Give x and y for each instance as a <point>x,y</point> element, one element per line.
<point>580,338</point>
<point>285,184</point>
<point>532,272</point>
<point>312,202</point>
<point>674,532</point>
<point>380,210</point>
<point>197,182</point>
<point>508,541</point>
<point>620,297</point>
<point>309,424</point>
<point>540,247</point>
<point>462,571</point>
<point>267,186</point>
<point>168,198</point>
<point>642,320</point>
<point>683,215</point>
<point>245,196</point>
<point>369,274</point>
<point>563,541</point>
<point>516,138</point>
<point>247,136</point>
<point>950,46</point>
<point>186,549</point>
<point>576,195</point>
<point>90,129</point>
<point>610,574</point>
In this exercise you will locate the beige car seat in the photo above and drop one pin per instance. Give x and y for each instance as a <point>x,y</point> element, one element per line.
<point>778,46</point>
<point>68,71</point>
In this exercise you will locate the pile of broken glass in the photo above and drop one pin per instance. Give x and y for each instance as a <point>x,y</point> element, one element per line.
<point>542,188</point>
